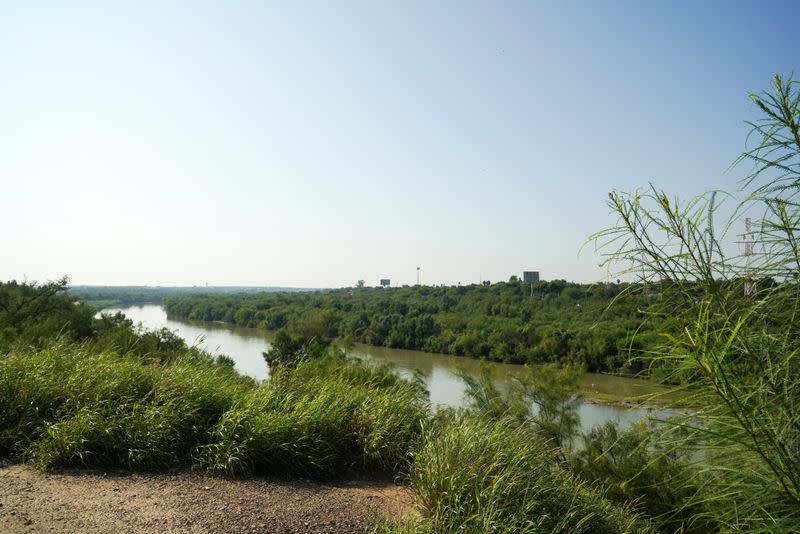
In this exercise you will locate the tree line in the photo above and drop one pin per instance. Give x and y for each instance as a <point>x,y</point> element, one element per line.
<point>119,296</point>
<point>557,321</point>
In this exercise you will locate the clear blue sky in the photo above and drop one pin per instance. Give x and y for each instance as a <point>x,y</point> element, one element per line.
<point>318,144</point>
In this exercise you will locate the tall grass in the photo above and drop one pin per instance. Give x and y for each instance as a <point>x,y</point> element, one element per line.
<point>478,475</point>
<point>638,467</point>
<point>67,406</point>
<point>320,419</point>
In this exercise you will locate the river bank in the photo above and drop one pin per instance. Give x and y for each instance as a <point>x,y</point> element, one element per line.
<point>604,397</point>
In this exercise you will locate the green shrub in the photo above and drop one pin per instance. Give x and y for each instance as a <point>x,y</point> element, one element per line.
<point>634,466</point>
<point>475,475</point>
<point>318,420</point>
<point>108,402</point>
<point>729,323</point>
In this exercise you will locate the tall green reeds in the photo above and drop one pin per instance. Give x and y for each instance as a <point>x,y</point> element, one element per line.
<point>543,398</point>
<point>319,419</point>
<point>65,405</point>
<point>480,475</point>
<point>729,294</point>
<point>68,406</point>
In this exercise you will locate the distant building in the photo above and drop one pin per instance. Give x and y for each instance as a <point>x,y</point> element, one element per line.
<point>385,282</point>
<point>530,277</point>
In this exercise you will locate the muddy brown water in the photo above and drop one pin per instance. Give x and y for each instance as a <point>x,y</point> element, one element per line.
<point>246,345</point>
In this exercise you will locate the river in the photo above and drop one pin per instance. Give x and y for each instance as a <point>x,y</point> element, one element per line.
<point>246,345</point>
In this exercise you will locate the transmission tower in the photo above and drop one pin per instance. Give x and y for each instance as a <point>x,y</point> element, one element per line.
<point>710,228</point>
<point>749,284</point>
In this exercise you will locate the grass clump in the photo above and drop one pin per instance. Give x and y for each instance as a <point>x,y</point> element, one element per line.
<point>130,435</point>
<point>67,406</point>
<point>477,475</point>
<point>320,419</point>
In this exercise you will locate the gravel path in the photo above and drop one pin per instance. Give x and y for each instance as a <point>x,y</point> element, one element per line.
<point>182,501</point>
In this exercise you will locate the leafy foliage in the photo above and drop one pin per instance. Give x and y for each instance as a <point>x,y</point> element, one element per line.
<point>562,322</point>
<point>30,312</point>
<point>542,398</point>
<point>287,350</point>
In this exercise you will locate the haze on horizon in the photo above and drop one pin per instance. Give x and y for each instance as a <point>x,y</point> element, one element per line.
<point>312,145</point>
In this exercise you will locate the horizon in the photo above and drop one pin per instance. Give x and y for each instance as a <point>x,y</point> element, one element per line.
<point>311,146</point>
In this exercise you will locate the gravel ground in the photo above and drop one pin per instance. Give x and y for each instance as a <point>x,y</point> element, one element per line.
<point>182,501</point>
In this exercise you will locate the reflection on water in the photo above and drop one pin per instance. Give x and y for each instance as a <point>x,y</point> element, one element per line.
<point>246,345</point>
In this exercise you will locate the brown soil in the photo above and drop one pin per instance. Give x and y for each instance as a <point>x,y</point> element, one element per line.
<point>182,501</point>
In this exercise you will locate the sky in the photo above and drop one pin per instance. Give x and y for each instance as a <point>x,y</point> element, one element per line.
<point>315,144</point>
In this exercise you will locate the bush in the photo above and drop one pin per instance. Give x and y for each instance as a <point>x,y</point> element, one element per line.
<point>318,420</point>
<point>474,475</point>
<point>288,350</point>
<point>729,323</point>
<point>67,406</point>
<point>634,467</point>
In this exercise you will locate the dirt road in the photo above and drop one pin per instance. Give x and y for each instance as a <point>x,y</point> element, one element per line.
<point>182,501</point>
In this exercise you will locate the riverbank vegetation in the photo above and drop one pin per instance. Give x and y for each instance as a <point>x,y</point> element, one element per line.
<point>101,297</point>
<point>561,322</point>
<point>113,396</point>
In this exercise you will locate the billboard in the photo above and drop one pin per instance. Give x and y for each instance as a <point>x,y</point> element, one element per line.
<point>385,282</point>
<point>530,277</point>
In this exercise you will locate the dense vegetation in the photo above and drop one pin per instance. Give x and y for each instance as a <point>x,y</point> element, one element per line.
<point>108,394</point>
<point>118,296</point>
<point>474,474</point>
<point>113,396</point>
<point>562,322</point>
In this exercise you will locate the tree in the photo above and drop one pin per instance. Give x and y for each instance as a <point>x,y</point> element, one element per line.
<point>33,312</point>
<point>287,350</point>
<point>542,397</point>
<point>553,391</point>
